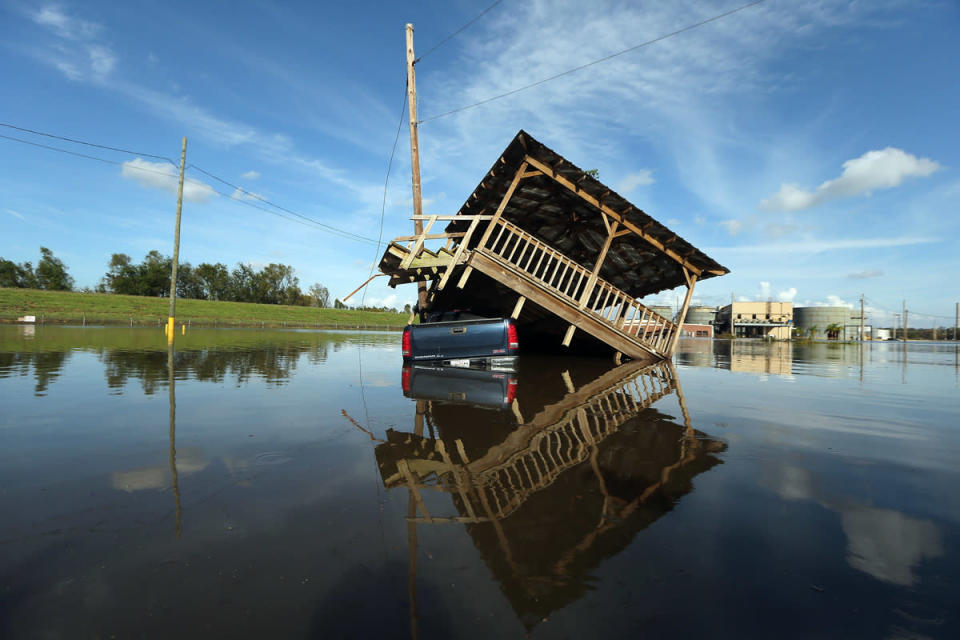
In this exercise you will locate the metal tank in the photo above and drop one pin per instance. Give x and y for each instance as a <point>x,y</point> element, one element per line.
<point>701,315</point>
<point>805,318</point>
<point>664,310</point>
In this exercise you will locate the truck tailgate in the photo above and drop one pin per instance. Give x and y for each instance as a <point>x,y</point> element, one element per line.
<point>459,339</point>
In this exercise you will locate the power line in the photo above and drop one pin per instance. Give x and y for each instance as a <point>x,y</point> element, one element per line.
<point>348,235</point>
<point>336,230</point>
<point>386,181</point>
<point>307,222</point>
<point>594,62</point>
<point>452,35</point>
<point>87,144</point>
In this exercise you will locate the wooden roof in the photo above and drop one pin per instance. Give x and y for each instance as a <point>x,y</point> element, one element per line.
<point>562,207</point>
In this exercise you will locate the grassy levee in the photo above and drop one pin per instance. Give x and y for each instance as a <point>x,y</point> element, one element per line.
<point>68,307</point>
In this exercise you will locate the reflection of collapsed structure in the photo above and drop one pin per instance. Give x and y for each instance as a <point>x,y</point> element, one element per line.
<point>548,502</point>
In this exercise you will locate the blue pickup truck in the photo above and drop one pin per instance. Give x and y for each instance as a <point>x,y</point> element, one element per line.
<point>456,339</point>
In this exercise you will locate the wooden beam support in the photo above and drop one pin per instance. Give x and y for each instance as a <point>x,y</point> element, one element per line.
<point>496,216</point>
<point>592,282</point>
<point>518,307</point>
<point>691,281</point>
<point>568,336</point>
<point>550,171</point>
<point>459,253</point>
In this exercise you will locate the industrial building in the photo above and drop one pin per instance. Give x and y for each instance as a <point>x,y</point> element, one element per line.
<point>756,319</point>
<point>813,322</point>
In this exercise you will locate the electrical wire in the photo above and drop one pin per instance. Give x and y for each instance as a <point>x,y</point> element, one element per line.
<point>342,232</point>
<point>452,35</point>
<point>595,62</point>
<point>306,220</point>
<point>87,144</point>
<point>386,181</point>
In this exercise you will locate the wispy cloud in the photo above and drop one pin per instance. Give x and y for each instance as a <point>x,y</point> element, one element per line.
<point>631,181</point>
<point>733,227</point>
<point>160,175</point>
<point>250,175</point>
<point>863,275</point>
<point>15,214</point>
<point>76,49</point>
<point>880,169</point>
<point>820,246</point>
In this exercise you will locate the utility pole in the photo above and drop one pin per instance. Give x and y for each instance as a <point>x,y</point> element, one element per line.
<point>896,321</point>
<point>415,158</point>
<point>862,319</point>
<point>171,320</point>
<point>904,320</point>
<point>956,322</point>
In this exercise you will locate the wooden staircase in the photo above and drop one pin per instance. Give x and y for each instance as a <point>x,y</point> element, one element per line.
<point>539,273</point>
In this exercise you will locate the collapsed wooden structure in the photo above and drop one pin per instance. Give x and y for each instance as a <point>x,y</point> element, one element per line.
<point>542,241</point>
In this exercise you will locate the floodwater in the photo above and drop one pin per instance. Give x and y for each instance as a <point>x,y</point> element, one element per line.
<point>303,485</point>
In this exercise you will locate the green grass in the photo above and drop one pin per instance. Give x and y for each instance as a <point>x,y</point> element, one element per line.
<point>68,307</point>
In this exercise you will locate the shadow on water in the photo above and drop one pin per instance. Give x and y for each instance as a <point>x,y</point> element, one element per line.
<point>551,470</point>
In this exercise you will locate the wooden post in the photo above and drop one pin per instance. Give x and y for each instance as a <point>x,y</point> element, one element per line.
<point>415,159</point>
<point>592,282</point>
<point>518,307</point>
<point>176,250</point>
<point>691,281</point>
<point>493,221</point>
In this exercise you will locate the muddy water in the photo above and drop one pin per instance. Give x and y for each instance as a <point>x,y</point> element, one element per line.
<point>302,484</point>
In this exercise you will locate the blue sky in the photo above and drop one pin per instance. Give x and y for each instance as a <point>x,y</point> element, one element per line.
<point>810,147</point>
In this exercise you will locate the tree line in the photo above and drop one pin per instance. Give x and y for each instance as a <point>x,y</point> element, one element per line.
<point>272,284</point>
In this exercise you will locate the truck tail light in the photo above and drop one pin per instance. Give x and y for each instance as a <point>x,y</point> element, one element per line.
<point>405,343</point>
<point>511,390</point>
<point>405,379</point>
<point>512,342</point>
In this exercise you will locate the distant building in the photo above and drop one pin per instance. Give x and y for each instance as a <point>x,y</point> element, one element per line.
<point>689,330</point>
<point>756,319</point>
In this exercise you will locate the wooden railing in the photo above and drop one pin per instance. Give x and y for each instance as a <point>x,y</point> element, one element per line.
<point>566,443</point>
<point>574,282</point>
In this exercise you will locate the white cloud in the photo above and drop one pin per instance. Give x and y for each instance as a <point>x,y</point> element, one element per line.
<point>631,181</point>
<point>787,295</point>
<point>160,175</point>
<point>700,220</point>
<point>16,214</point>
<point>834,301</point>
<point>764,290</point>
<point>251,175</point>
<point>878,169</point>
<point>733,227</point>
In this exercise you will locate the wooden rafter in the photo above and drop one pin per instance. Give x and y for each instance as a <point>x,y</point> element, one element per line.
<point>553,173</point>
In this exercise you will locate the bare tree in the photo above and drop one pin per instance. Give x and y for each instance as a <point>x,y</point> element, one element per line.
<point>320,295</point>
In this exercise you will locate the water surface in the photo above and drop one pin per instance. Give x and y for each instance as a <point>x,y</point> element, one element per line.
<point>302,484</point>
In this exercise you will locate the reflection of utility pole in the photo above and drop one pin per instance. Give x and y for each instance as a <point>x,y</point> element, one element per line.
<point>171,321</point>
<point>862,319</point>
<point>171,380</point>
<point>412,531</point>
<point>905,334</point>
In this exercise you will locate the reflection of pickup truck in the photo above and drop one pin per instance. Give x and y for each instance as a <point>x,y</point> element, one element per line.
<point>473,387</point>
<point>461,340</point>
